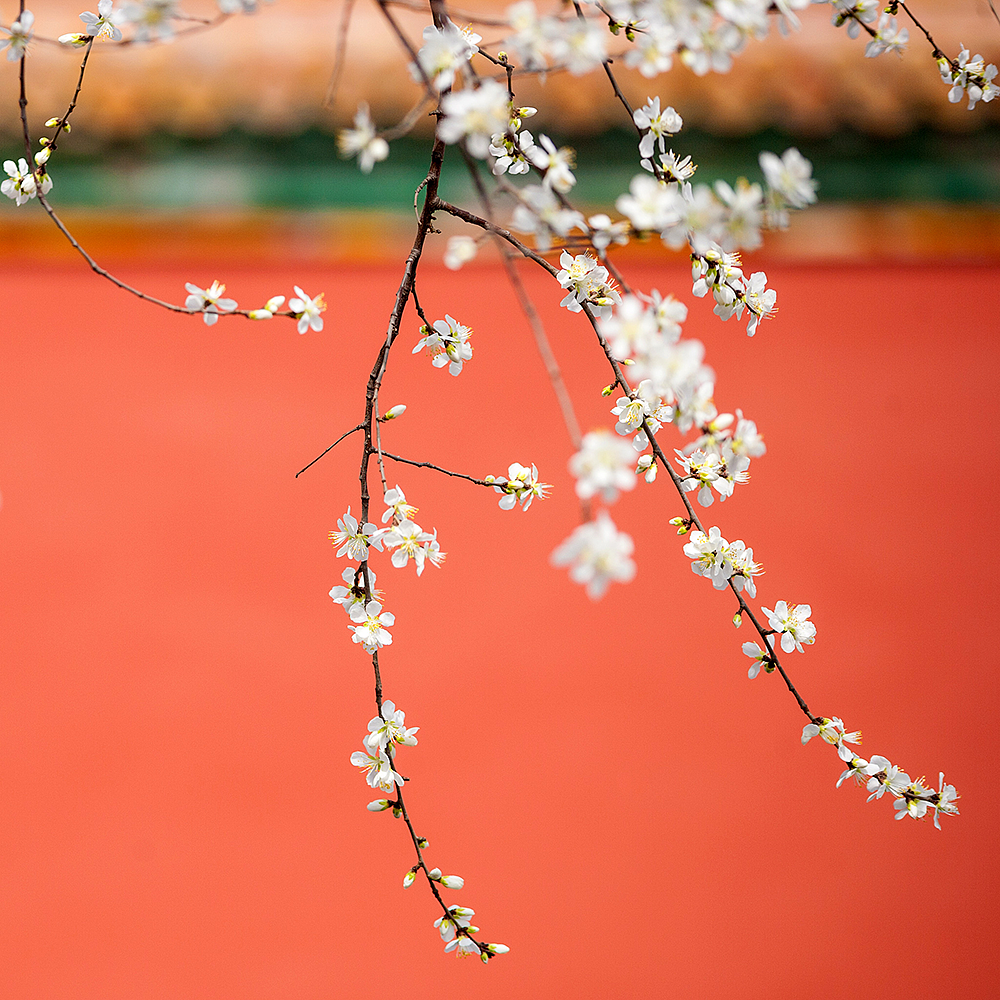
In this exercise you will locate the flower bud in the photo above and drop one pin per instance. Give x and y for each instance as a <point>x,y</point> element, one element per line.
<point>396,812</point>
<point>527,112</point>
<point>434,874</point>
<point>452,881</point>
<point>675,521</point>
<point>74,39</point>
<point>683,529</point>
<point>738,619</point>
<point>42,156</point>
<point>614,27</point>
<point>261,314</point>
<point>52,123</point>
<point>423,843</point>
<point>409,878</point>
<point>274,303</point>
<point>44,141</point>
<point>626,362</point>
<point>379,805</point>
<point>491,479</point>
<point>501,56</point>
<point>395,411</point>
<point>607,390</point>
<point>497,949</point>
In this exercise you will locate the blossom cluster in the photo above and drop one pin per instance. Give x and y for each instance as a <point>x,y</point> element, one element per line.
<point>519,486</point>
<point>705,35</point>
<point>446,344</point>
<point>211,304</point>
<point>911,797</point>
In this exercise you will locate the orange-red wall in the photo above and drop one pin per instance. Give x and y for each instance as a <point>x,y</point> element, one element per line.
<point>633,817</point>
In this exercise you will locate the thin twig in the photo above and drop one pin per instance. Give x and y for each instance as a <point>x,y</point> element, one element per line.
<point>332,446</point>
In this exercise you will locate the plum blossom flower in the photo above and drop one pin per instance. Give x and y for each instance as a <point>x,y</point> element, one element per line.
<point>354,593</point>
<point>886,777</point>
<point>19,34</point>
<point>463,946</point>
<point>656,125</point>
<point>100,25</point>
<point>460,250</point>
<point>307,311</point>
<point>511,150</point>
<point>371,626</point>
<point>151,18</point>
<point>889,37</point>
<point>390,728</point>
<point>458,916</point>
<point>20,184</point>
<point>557,164</point>
<point>362,141</point>
<point>541,213</point>
<point>792,621</point>
<point>857,768</point>
<point>520,486</point>
<point>603,465</point>
<point>790,176</point>
<point>972,78</point>
<point>447,345</point>
<point>588,283</point>
<point>759,657</point>
<point>914,800</point>
<point>945,800</point>
<point>474,116</point>
<point>377,769</point>
<point>830,730</point>
<point>597,554</point>
<point>354,541</point>
<point>444,54</point>
<point>407,540</point>
<point>208,301</point>
<point>709,555</point>
<point>397,509</point>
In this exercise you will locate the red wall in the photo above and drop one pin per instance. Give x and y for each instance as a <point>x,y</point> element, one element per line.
<point>632,815</point>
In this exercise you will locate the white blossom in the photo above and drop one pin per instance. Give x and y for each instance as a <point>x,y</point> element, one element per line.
<point>209,301</point>
<point>150,18</point>
<point>792,621</point>
<point>759,657</point>
<point>371,626</point>
<point>354,591</point>
<point>444,53</point>
<point>390,729</point>
<point>354,540</point>
<point>397,509</point>
<point>377,769</point>
<point>100,24</point>
<point>474,116</point>
<point>448,344</point>
<point>597,554</point>
<point>588,283</point>
<point>460,250</point>
<point>556,164</point>
<point>362,141</point>
<point>889,37</point>
<point>16,43</point>
<point>307,311</point>
<point>603,465</point>
<point>656,124</point>
<point>407,539</point>
<point>20,184</point>
<point>521,485</point>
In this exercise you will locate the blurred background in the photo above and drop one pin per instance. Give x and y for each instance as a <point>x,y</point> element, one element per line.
<point>237,121</point>
<point>633,816</point>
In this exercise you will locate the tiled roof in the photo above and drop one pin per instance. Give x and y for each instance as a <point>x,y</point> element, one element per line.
<point>270,72</point>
